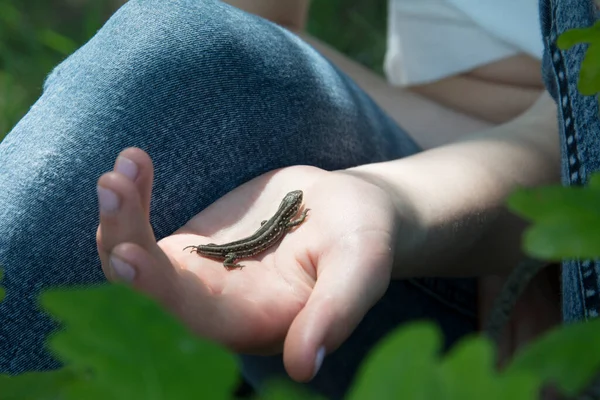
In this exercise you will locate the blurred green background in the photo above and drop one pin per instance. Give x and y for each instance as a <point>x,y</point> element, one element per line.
<point>36,35</point>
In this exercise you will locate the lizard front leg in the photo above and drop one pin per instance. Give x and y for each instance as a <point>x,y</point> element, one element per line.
<point>299,220</point>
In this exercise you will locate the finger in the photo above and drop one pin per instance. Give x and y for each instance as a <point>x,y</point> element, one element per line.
<point>122,217</point>
<point>128,248</point>
<point>352,278</point>
<point>137,166</point>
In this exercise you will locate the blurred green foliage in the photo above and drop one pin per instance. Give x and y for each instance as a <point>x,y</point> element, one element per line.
<point>357,28</point>
<point>36,35</point>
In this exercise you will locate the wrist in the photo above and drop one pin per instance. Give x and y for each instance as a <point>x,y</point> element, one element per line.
<point>410,229</point>
<point>449,201</point>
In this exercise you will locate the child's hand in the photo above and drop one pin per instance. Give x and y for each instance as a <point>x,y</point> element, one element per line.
<point>306,293</point>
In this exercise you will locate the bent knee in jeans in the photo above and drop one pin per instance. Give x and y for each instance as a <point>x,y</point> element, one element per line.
<point>214,95</point>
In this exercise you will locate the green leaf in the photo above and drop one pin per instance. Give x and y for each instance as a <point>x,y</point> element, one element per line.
<point>468,372</point>
<point>575,36</point>
<point>594,182</point>
<point>133,348</point>
<point>556,202</point>
<point>36,385</point>
<point>568,356</point>
<point>278,389</point>
<point>565,220</point>
<point>589,74</point>
<point>472,361</point>
<point>401,366</point>
<point>459,367</point>
<point>560,239</point>
<point>406,365</point>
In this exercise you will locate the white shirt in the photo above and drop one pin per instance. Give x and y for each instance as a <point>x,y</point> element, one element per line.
<point>432,39</point>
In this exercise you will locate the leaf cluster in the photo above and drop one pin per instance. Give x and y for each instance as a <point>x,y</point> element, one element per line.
<point>119,344</point>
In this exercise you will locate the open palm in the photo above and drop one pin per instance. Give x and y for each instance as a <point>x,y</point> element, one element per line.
<point>308,291</point>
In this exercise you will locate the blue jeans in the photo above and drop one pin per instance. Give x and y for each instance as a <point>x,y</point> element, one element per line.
<point>579,128</point>
<point>216,97</point>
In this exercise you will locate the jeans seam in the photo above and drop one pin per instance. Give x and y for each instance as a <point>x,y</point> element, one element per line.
<point>586,269</point>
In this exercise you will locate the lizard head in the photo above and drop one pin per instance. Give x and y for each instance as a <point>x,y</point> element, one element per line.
<point>291,203</point>
<point>293,197</point>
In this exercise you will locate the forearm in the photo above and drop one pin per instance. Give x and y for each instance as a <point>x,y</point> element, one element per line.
<point>289,13</point>
<point>458,192</point>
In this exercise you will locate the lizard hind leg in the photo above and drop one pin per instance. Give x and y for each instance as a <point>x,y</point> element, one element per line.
<point>229,263</point>
<point>193,248</point>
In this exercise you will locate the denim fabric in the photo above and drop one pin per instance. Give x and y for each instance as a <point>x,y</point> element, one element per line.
<point>579,128</point>
<point>216,97</point>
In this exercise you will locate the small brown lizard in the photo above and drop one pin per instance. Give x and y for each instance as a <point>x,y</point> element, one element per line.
<point>269,233</point>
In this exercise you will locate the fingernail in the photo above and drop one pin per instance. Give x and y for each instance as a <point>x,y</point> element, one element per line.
<point>126,167</point>
<point>122,270</point>
<point>108,200</point>
<point>319,360</point>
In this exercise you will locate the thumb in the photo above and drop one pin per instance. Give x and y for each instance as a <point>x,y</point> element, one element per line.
<point>352,277</point>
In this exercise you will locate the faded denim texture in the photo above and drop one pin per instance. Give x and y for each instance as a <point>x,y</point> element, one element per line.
<point>579,128</point>
<point>216,97</point>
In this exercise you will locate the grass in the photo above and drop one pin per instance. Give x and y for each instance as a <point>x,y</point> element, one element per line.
<point>36,35</point>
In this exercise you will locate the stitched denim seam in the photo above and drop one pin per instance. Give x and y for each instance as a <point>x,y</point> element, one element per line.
<point>586,269</point>
<point>591,300</point>
<point>566,109</point>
